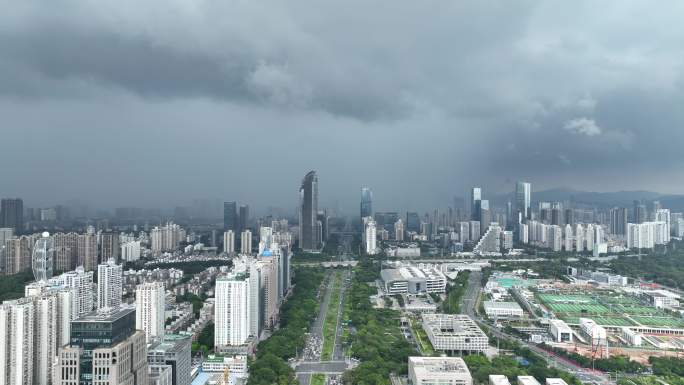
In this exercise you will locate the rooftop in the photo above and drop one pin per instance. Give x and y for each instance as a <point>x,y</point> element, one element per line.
<point>106,316</point>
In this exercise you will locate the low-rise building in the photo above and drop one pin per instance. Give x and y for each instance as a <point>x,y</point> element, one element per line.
<point>454,333</point>
<point>413,280</point>
<point>662,299</point>
<point>496,309</point>
<point>498,379</point>
<point>555,381</point>
<point>592,330</point>
<point>527,380</point>
<point>560,331</point>
<point>438,370</point>
<point>633,338</point>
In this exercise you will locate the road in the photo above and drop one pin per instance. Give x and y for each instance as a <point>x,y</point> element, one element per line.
<point>309,361</point>
<point>469,304</point>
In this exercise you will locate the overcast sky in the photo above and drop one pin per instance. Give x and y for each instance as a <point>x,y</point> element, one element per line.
<point>158,102</point>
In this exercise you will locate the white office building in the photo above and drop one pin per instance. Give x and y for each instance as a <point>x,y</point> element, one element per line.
<point>438,370</point>
<point>109,280</point>
<point>150,306</point>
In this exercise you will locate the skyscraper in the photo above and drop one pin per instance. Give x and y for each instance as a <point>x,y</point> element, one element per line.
<point>109,282</point>
<point>639,212</point>
<point>246,242</point>
<point>230,216</point>
<point>475,199</point>
<point>308,210</point>
<point>173,350</point>
<point>66,251</point>
<point>485,215</point>
<point>244,217</point>
<point>150,306</point>
<point>16,342</point>
<point>366,202</point>
<point>229,242</point>
<point>43,258</point>
<point>371,238</point>
<point>523,201</point>
<point>105,349</point>
<point>12,214</point>
<point>87,250</point>
<point>399,230</point>
<point>110,249</point>
<point>81,282</point>
<point>231,310</point>
<point>412,222</point>
<point>618,221</point>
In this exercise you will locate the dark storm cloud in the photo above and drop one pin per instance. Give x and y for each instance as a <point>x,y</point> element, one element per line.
<point>425,98</point>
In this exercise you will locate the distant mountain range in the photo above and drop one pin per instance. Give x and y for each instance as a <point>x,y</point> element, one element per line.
<point>601,199</point>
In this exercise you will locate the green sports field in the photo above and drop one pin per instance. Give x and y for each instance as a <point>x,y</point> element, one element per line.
<point>607,310</point>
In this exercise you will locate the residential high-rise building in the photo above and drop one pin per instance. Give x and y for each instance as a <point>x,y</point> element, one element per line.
<point>109,285</point>
<point>109,246</point>
<point>43,258</point>
<point>53,312</point>
<point>130,251</point>
<point>12,214</point>
<point>66,251</point>
<point>173,350</point>
<point>370,237</point>
<point>244,217</point>
<point>16,342</point>
<point>309,231</point>
<point>366,202</point>
<point>231,310</point>
<point>166,238</point>
<point>17,254</point>
<point>246,242</point>
<point>618,221</point>
<point>523,201</point>
<point>229,242</point>
<point>87,250</point>
<point>230,216</point>
<point>399,230</point>
<point>150,305</point>
<point>82,283</point>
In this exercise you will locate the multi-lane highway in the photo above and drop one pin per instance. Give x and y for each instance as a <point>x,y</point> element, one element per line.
<point>310,361</point>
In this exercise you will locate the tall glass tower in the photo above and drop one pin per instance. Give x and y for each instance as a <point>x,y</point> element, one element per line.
<point>366,202</point>
<point>309,227</point>
<point>43,258</point>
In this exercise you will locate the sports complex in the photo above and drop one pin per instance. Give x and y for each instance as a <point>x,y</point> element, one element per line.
<point>609,309</point>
